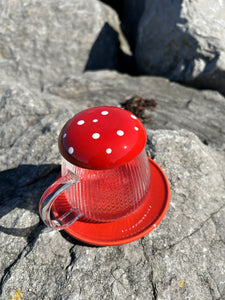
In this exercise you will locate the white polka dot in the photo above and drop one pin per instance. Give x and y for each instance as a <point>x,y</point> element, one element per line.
<point>70,150</point>
<point>125,147</point>
<point>104,112</point>
<point>95,120</point>
<point>154,225</point>
<point>136,128</point>
<point>120,132</point>
<point>64,135</point>
<point>133,117</point>
<point>96,136</point>
<point>81,122</point>
<point>108,150</point>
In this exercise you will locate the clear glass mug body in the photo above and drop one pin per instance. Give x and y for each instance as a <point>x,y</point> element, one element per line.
<point>99,195</point>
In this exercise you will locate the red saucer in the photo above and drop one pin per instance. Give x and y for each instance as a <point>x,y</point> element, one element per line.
<point>131,228</point>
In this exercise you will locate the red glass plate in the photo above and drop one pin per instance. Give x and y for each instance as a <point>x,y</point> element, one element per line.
<point>131,228</point>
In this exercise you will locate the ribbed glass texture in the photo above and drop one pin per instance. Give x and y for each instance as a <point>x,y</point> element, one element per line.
<point>111,194</point>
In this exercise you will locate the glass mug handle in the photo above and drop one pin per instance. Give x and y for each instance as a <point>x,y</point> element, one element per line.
<point>51,195</point>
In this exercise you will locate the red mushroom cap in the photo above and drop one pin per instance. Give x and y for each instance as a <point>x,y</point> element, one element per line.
<point>102,137</point>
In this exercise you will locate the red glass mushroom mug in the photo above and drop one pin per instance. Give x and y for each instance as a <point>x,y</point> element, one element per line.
<point>105,173</point>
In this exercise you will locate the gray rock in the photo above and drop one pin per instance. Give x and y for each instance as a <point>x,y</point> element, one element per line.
<point>202,112</point>
<point>184,41</point>
<point>131,13</point>
<point>45,42</point>
<point>182,258</point>
<point>28,117</point>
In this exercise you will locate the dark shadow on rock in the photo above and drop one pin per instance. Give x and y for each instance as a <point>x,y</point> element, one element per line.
<point>130,16</point>
<point>22,232</point>
<point>129,13</point>
<point>22,188</point>
<point>106,54</point>
<point>74,241</point>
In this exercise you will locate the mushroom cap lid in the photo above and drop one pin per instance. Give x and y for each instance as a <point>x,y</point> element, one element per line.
<point>102,137</point>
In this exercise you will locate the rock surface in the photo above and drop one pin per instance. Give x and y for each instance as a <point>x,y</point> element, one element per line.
<point>182,258</point>
<point>28,117</point>
<point>42,56</point>
<point>184,41</point>
<point>45,42</point>
<point>202,112</point>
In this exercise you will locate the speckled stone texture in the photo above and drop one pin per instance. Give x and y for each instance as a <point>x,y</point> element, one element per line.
<point>44,42</point>
<point>182,258</point>
<point>44,48</point>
